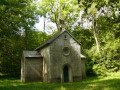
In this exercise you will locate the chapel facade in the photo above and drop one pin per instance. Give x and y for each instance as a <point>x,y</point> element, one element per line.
<point>57,60</point>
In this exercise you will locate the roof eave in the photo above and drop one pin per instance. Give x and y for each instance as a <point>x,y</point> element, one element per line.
<point>51,40</point>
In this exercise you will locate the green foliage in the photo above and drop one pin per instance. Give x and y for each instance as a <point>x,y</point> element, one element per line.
<point>12,50</point>
<point>105,28</point>
<point>11,54</point>
<point>36,38</point>
<point>15,18</point>
<point>56,10</point>
<point>84,36</point>
<point>109,59</point>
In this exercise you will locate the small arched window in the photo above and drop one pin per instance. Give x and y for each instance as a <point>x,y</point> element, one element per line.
<point>65,36</point>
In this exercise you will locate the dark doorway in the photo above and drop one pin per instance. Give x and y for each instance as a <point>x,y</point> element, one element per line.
<point>66,74</point>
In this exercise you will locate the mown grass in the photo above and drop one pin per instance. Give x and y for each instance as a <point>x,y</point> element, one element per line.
<point>111,82</point>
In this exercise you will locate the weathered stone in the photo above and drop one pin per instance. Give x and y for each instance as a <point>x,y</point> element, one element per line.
<point>59,52</point>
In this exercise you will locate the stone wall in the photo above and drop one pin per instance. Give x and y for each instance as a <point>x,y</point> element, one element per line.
<point>60,57</point>
<point>33,69</point>
<point>45,52</point>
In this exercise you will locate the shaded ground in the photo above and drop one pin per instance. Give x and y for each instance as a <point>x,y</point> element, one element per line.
<point>111,82</point>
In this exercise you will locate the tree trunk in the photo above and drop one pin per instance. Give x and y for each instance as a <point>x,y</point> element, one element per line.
<point>44,24</point>
<point>26,37</point>
<point>95,36</point>
<point>44,28</point>
<point>96,40</point>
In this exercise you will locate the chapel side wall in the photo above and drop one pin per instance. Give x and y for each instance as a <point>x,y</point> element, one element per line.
<point>33,69</point>
<point>59,60</point>
<point>45,52</point>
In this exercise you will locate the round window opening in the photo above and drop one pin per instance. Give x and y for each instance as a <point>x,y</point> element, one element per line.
<point>66,51</point>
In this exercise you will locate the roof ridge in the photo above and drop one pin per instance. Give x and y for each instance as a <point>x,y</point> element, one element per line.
<point>53,38</point>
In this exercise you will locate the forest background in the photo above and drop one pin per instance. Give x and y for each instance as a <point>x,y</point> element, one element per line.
<point>94,23</point>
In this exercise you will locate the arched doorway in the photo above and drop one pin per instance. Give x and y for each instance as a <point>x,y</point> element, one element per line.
<point>66,74</point>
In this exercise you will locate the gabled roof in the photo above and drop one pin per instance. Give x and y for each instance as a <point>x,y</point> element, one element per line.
<point>55,37</point>
<point>31,54</point>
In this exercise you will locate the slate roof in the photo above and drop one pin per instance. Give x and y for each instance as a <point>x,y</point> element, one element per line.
<point>55,37</point>
<point>31,54</point>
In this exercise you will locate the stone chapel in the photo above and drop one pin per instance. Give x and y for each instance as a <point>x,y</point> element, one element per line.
<point>57,60</point>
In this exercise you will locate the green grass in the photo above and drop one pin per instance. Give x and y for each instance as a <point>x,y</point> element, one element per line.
<point>111,82</point>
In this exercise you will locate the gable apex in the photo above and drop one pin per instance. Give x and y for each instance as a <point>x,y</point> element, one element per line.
<point>55,37</point>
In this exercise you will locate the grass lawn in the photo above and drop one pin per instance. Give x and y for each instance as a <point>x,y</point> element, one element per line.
<point>111,82</point>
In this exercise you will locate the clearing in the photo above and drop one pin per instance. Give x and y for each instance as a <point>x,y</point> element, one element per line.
<point>111,82</point>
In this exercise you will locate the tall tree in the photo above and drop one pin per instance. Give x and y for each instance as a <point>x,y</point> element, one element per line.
<point>16,16</point>
<point>104,16</point>
<point>62,12</point>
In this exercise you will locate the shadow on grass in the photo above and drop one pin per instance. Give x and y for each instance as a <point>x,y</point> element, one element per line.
<point>90,83</point>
